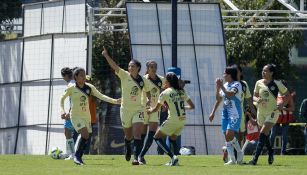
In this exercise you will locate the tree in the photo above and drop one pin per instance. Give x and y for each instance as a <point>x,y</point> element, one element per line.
<point>106,80</point>
<point>9,9</point>
<point>259,48</point>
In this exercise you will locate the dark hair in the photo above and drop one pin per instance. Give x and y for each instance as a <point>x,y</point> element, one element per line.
<point>66,71</point>
<point>232,71</point>
<point>137,63</point>
<point>238,67</point>
<point>272,68</point>
<point>77,71</point>
<point>148,63</point>
<point>173,80</point>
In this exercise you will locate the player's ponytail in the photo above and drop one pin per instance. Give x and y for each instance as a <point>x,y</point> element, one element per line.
<point>173,81</point>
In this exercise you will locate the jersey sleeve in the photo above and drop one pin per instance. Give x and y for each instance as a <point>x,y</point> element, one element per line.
<point>256,90</point>
<point>162,98</point>
<point>247,92</point>
<point>187,97</point>
<point>236,87</point>
<point>102,97</point>
<point>63,97</point>
<point>122,74</point>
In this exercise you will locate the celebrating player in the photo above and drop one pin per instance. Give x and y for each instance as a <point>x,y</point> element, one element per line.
<point>265,95</point>
<point>132,109</point>
<point>151,121</point>
<point>80,113</point>
<point>175,97</point>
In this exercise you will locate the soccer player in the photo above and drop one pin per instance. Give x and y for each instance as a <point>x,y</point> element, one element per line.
<point>151,121</point>
<point>132,108</point>
<point>265,94</point>
<point>80,113</point>
<point>175,97</point>
<point>231,93</point>
<point>69,130</point>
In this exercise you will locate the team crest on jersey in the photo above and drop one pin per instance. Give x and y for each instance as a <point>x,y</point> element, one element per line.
<point>154,90</point>
<point>134,90</point>
<point>266,93</point>
<point>82,98</point>
<point>141,83</point>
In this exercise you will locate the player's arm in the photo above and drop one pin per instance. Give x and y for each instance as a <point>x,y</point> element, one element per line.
<point>218,100</point>
<point>105,98</point>
<point>161,101</point>
<point>62,100</point>
<point>190,105</point>
<point>111,62</point>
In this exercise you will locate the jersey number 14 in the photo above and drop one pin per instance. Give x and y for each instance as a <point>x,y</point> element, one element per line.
<point>180,108</point>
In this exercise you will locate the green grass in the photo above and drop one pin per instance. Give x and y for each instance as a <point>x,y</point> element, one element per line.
<point>116,165</point>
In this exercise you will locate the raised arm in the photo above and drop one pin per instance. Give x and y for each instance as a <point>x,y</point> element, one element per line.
<point>113,65</point>
<point>218,99</point>
<point>99,95</point>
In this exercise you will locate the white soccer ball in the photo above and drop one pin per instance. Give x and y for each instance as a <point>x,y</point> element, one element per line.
<point>56,153</point>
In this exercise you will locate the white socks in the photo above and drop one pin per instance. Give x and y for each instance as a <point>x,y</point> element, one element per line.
<point>230,151</point>
<point>70,146</point>
<point>236,145</point>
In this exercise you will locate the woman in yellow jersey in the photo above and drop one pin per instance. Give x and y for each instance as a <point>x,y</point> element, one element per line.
<point>80,113</point>
<point>151,121</point>
<point>132,109</point>
<point>175,97</point>
<point>265,95</point>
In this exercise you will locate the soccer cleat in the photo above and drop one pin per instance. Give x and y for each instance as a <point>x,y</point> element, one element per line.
<point>141,160</point>
<point>70,157</point>
<point>271,158</point>
<point>253,161</point>
<point>135,162</point>
<point>230,162</point>
<point>78,161</point>
<point>174,161</point>
<point>128,153</point>
<point>240,157</point>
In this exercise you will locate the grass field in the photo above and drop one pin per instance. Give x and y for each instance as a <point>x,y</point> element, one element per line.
<point>116,165</point>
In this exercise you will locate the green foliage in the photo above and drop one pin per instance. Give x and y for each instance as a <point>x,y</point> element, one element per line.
<point>258,48</point>
<point>9,9</point>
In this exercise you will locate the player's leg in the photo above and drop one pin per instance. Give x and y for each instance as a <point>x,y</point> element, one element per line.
<point>235,127</point>
<point>285,129</point>
<point>70,143</point>
<point>81,145</point>
<point>83,127</point>
<point>152,127</point>
<point>126,119</point>
<point>229,136</point>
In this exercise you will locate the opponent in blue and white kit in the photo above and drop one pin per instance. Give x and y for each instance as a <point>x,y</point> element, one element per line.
<point>69,130</point>
<point>231,93</point>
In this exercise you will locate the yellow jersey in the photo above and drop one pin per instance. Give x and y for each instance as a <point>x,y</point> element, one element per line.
<point>155,89</point>
<point>80,99</point>
<point>268,93</point>
<point>132,90</point>
<point>175,101</point>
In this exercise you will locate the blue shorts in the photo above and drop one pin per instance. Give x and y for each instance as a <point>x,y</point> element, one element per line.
<point>68,125</point>
<point>230,122</point>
